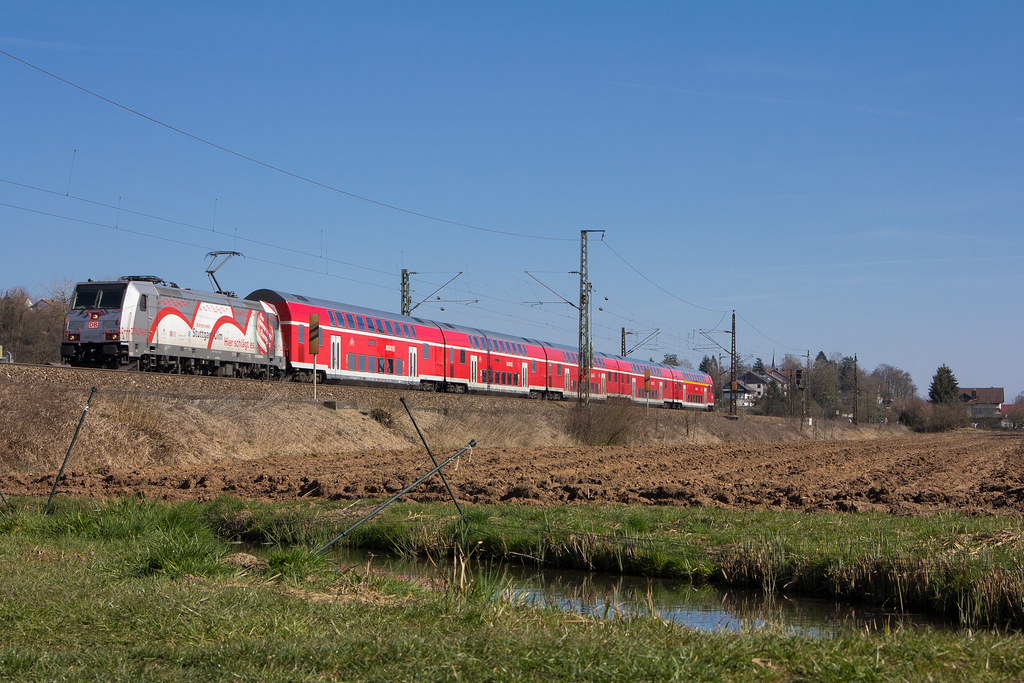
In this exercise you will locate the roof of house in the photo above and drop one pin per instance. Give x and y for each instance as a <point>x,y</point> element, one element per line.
<point>987,396</point>
<point>1008,408</point>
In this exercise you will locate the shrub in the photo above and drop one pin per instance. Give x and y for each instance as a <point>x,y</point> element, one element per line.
<point>603,424</point>
<point>933,417</point>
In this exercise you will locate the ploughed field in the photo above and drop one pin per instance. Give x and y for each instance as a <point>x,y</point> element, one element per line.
<point>187,438</point>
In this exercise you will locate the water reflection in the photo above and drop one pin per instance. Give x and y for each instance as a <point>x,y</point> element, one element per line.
<point>703,607</point>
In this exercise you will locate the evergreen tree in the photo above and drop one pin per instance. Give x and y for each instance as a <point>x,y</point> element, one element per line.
<point>670,359</point>
<point>759,367</point>
<point>944,388</point>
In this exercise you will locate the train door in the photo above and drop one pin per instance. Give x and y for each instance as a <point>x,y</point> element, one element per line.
<point>524,377</point>
<point>335,353</point>
<point>413,368</point>
<point>474,375</point>
<point>634,386</point>
<point>604,383</point>
<point>565,375</point>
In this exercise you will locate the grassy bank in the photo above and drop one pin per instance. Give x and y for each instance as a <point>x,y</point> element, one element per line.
<point>968,569</point>
<point>140,590</point>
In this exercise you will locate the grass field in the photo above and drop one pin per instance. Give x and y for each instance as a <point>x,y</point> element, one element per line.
<point>134,589</point>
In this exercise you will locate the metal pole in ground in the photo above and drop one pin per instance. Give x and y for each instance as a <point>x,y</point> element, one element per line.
<point>392,499</point>
<point>6,504</point>
<point>432,458</point>
<point>73,440</point>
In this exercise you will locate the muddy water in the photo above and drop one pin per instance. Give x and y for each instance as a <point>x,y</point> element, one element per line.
<point>707,608</point>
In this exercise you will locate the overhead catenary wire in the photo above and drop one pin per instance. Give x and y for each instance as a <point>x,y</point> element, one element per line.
<point>282,171</point>
<point>326,186</point>
<point>656,285</point>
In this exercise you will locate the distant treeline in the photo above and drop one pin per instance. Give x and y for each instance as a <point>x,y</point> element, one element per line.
<point>31,327</point>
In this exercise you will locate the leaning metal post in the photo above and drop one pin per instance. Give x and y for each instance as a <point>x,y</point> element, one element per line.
<point>392,499</point>
<point>433,459</point>
<point>73,439</point>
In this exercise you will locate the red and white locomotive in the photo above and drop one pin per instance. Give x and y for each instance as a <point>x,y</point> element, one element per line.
<point>140,323</point>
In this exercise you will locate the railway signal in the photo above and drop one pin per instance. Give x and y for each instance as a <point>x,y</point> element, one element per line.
<point>314,343</point>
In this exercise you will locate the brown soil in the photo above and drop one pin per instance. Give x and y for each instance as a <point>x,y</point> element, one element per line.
<point>185,438</point>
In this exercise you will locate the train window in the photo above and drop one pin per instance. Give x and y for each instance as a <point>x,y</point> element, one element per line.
<point>426,352</point>
<point>503,380</point>
<point>451,355</point>
<point>370,327</point>
<point>330,316</point>
<point>558,370</point>
<point>515,379</point>
<point>398,366</point>
<point>360,323</point>
<point>371,363</point>
<point>362,362</point>
<point>142,302</point>
<point>391,331</point>
<point>533,366</point>
<point>405,331</point>
<point>382,365</point>
<point>462,356</point>
<point>351,322</point>
<point>412,328</point>
<point>490,376</point>
<point>86,297</point>
<point>351,361</point>
<point>302,334</point>
<point>380,325</point>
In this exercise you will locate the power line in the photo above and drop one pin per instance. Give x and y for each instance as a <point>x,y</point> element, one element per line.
<point>655,284</point>
<point>278,169</point>
<point>172,221</point>
<point>785,346</point>
<point>186,244</point>
<point>170,183</point>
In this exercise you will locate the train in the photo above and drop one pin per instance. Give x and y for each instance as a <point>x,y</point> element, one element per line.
<point>145,323</point>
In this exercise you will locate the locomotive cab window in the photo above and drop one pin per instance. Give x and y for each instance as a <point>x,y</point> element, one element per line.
<point>143,302</point>
<point>98,296</point>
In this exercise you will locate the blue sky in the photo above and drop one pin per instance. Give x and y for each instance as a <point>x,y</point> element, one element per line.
<point>846,176</point>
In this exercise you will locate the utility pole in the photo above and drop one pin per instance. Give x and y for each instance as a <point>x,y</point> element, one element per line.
<point>856,393</point>
<point>803,391</point>
<point>623,341</point>
<point>406,292</point>
<point>732,371</point>
<point>583,369</point>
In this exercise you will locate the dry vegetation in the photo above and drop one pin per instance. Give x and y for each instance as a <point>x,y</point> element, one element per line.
<point>199,438</point>
<point>139,420</point>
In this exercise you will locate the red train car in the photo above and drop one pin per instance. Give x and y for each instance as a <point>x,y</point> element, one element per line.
<point>364,345</point>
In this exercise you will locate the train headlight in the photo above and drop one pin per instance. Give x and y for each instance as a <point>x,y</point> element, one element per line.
<point>112,336</point>
<point>74,336</point>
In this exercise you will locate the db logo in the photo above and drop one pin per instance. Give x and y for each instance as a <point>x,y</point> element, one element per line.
<point>94,324</point>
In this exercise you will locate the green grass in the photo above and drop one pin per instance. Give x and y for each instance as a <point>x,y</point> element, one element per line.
<point>139,590</point>
<point>965,568</point>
